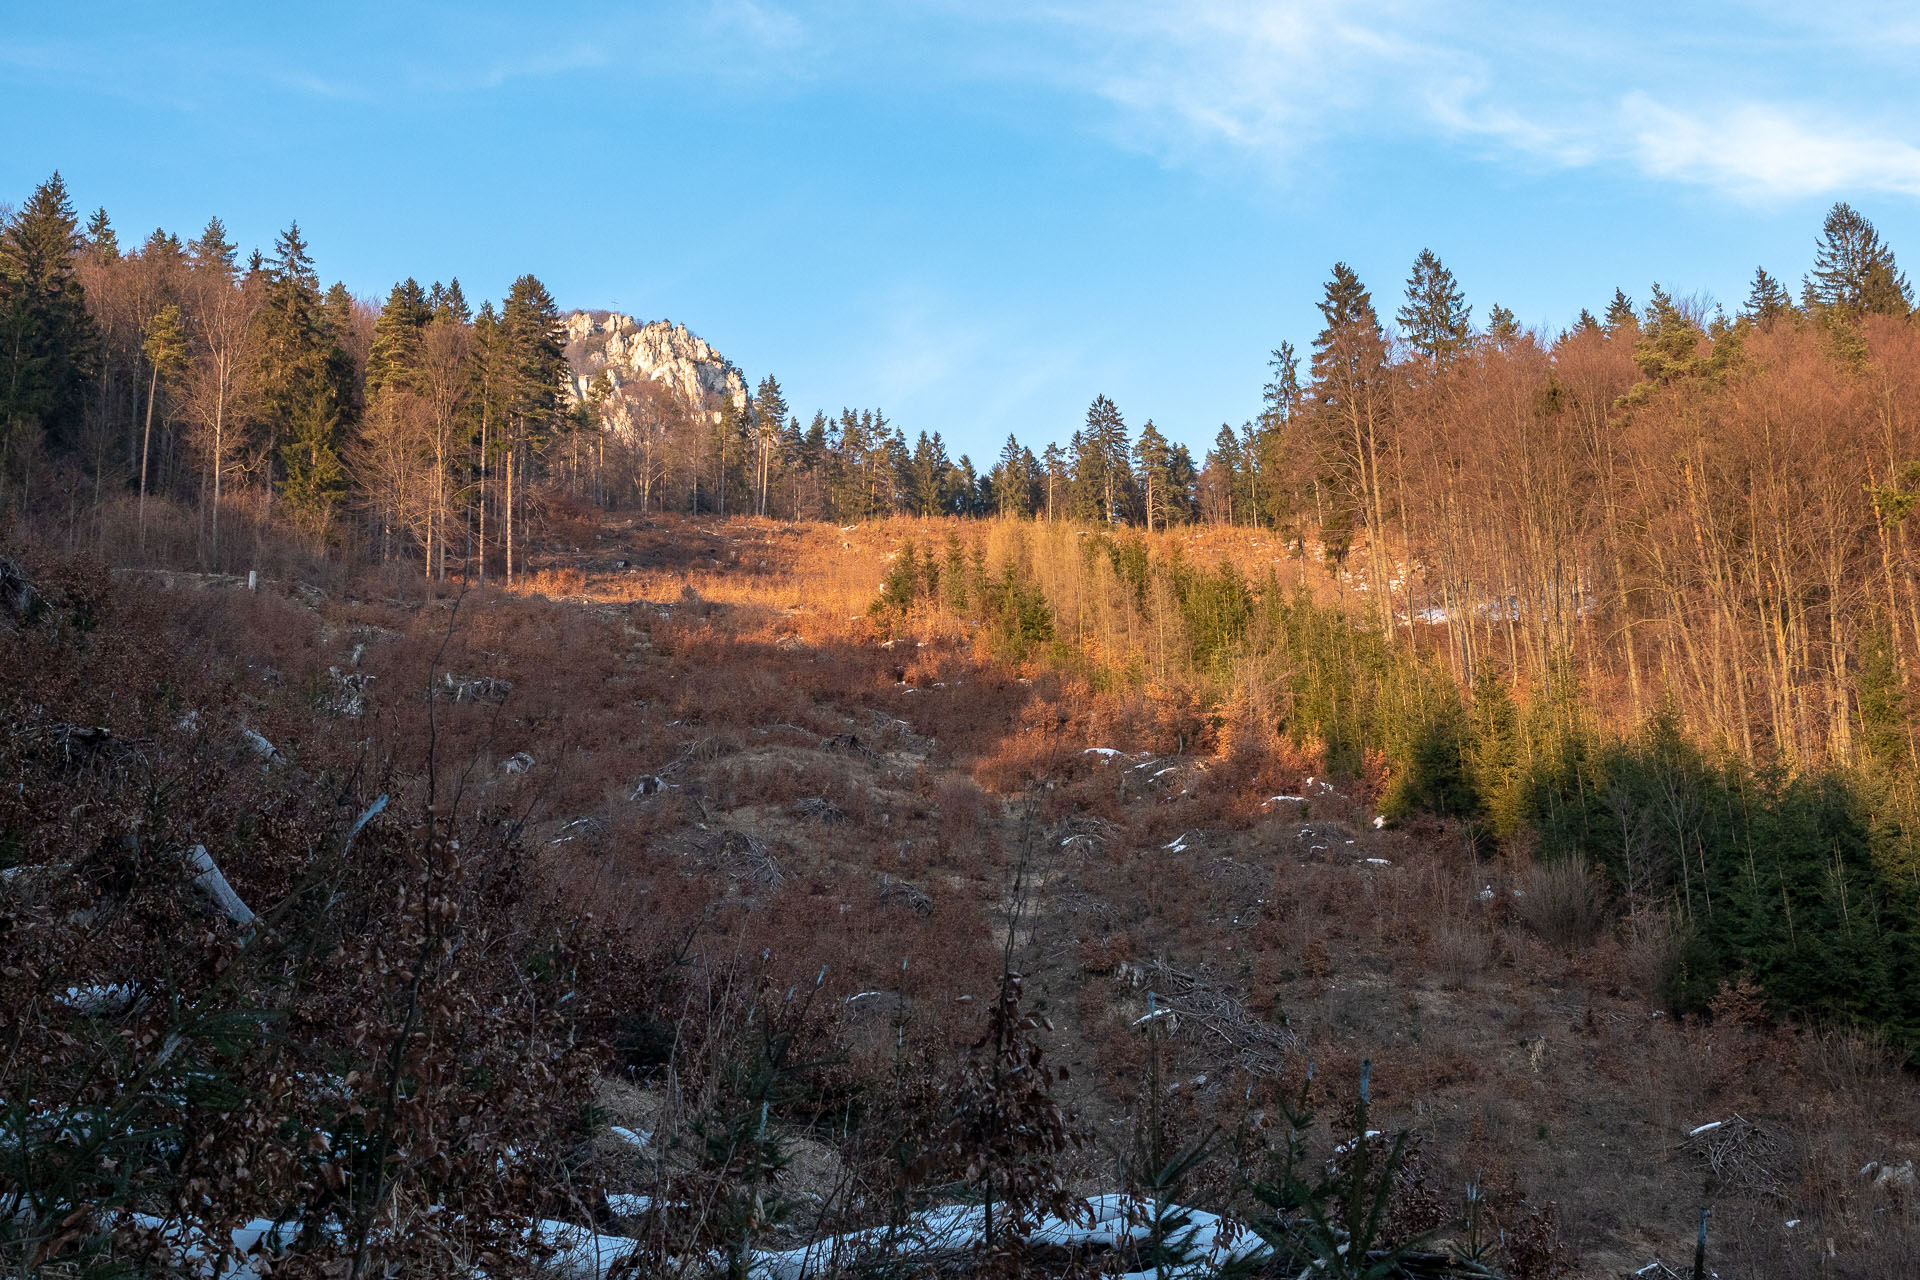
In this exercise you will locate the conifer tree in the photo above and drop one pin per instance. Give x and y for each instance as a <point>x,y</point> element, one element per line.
<point>449,303</point>
<point>769,415</point>
<point>1012,483</point>
<point>1668,345</point>
<point>1502,327</point>
<point>212,251</point>
<point>1351,396</point>
<point>1151,461</point>
<point>99,240</point>
<point>533,374</point>
<point>49,348</point>
<point>1282,395</point>
<point>398,334</point>
<point>1054,459</point>
<point>1102,465</point>
<point>1767,300</point>
<point>305,383</point>
<point>1621,316</point>
<point>1437,320</point>
<point>1224,467</point>
<point>1585,325</point>
<point>1854,270</point>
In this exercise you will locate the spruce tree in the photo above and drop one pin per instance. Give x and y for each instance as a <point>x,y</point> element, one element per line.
<point>1012,485</point>
<point>769,416</point>
<point>1054,460</point>
<point>1282,395</point>
<point>1854,270</point>
<point>1223,464</point>
<point>1181,475</point>
<point>1585,325</point>
<point>1351,394</point>
<point>49,349</point>
<point>1621,317</point>
<point>100,241</point>
<point>1437,320</point>
<point>1768,300</point>
<point>533,375</point>
<point>212,251</point>
<point>1153,465</point>
<point>304,381</point>
<point>398,337</point>
<point>450,303</point>
<point>1102,465</point>
<point>1502,327</point>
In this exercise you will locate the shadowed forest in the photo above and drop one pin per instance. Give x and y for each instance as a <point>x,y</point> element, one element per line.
<point>471,819</point>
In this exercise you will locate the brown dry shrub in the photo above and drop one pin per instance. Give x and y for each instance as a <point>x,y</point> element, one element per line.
<point>1460,953</point>
<point>1649,945</point>
<point>1563,901</point>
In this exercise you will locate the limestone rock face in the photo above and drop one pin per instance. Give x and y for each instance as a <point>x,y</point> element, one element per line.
<point>630,351</point>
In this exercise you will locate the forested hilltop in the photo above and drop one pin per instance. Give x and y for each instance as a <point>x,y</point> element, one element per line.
<point>1688,506</point>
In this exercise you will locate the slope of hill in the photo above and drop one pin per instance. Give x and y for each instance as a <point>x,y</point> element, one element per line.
<point>810,836</point>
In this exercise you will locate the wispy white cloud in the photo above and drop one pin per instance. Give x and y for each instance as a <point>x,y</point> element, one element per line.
<point>1746,103</point>
<point>766,27</point>
<point>1763,151</point>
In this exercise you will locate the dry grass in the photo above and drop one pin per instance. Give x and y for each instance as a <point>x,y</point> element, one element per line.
<point>1562,901</point>
<point>734,664</point>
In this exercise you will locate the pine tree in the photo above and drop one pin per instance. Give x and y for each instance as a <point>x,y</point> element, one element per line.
<point>1621,317</point>
<point>1768,300</point>
<point>49,348</point>
<point>1854,270</point>
<point>1437,320</point>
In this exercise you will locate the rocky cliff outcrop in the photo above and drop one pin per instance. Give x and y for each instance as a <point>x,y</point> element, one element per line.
<point>630,351</point>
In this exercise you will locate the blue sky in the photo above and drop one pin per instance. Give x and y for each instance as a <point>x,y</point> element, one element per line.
<point>979,215</point>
